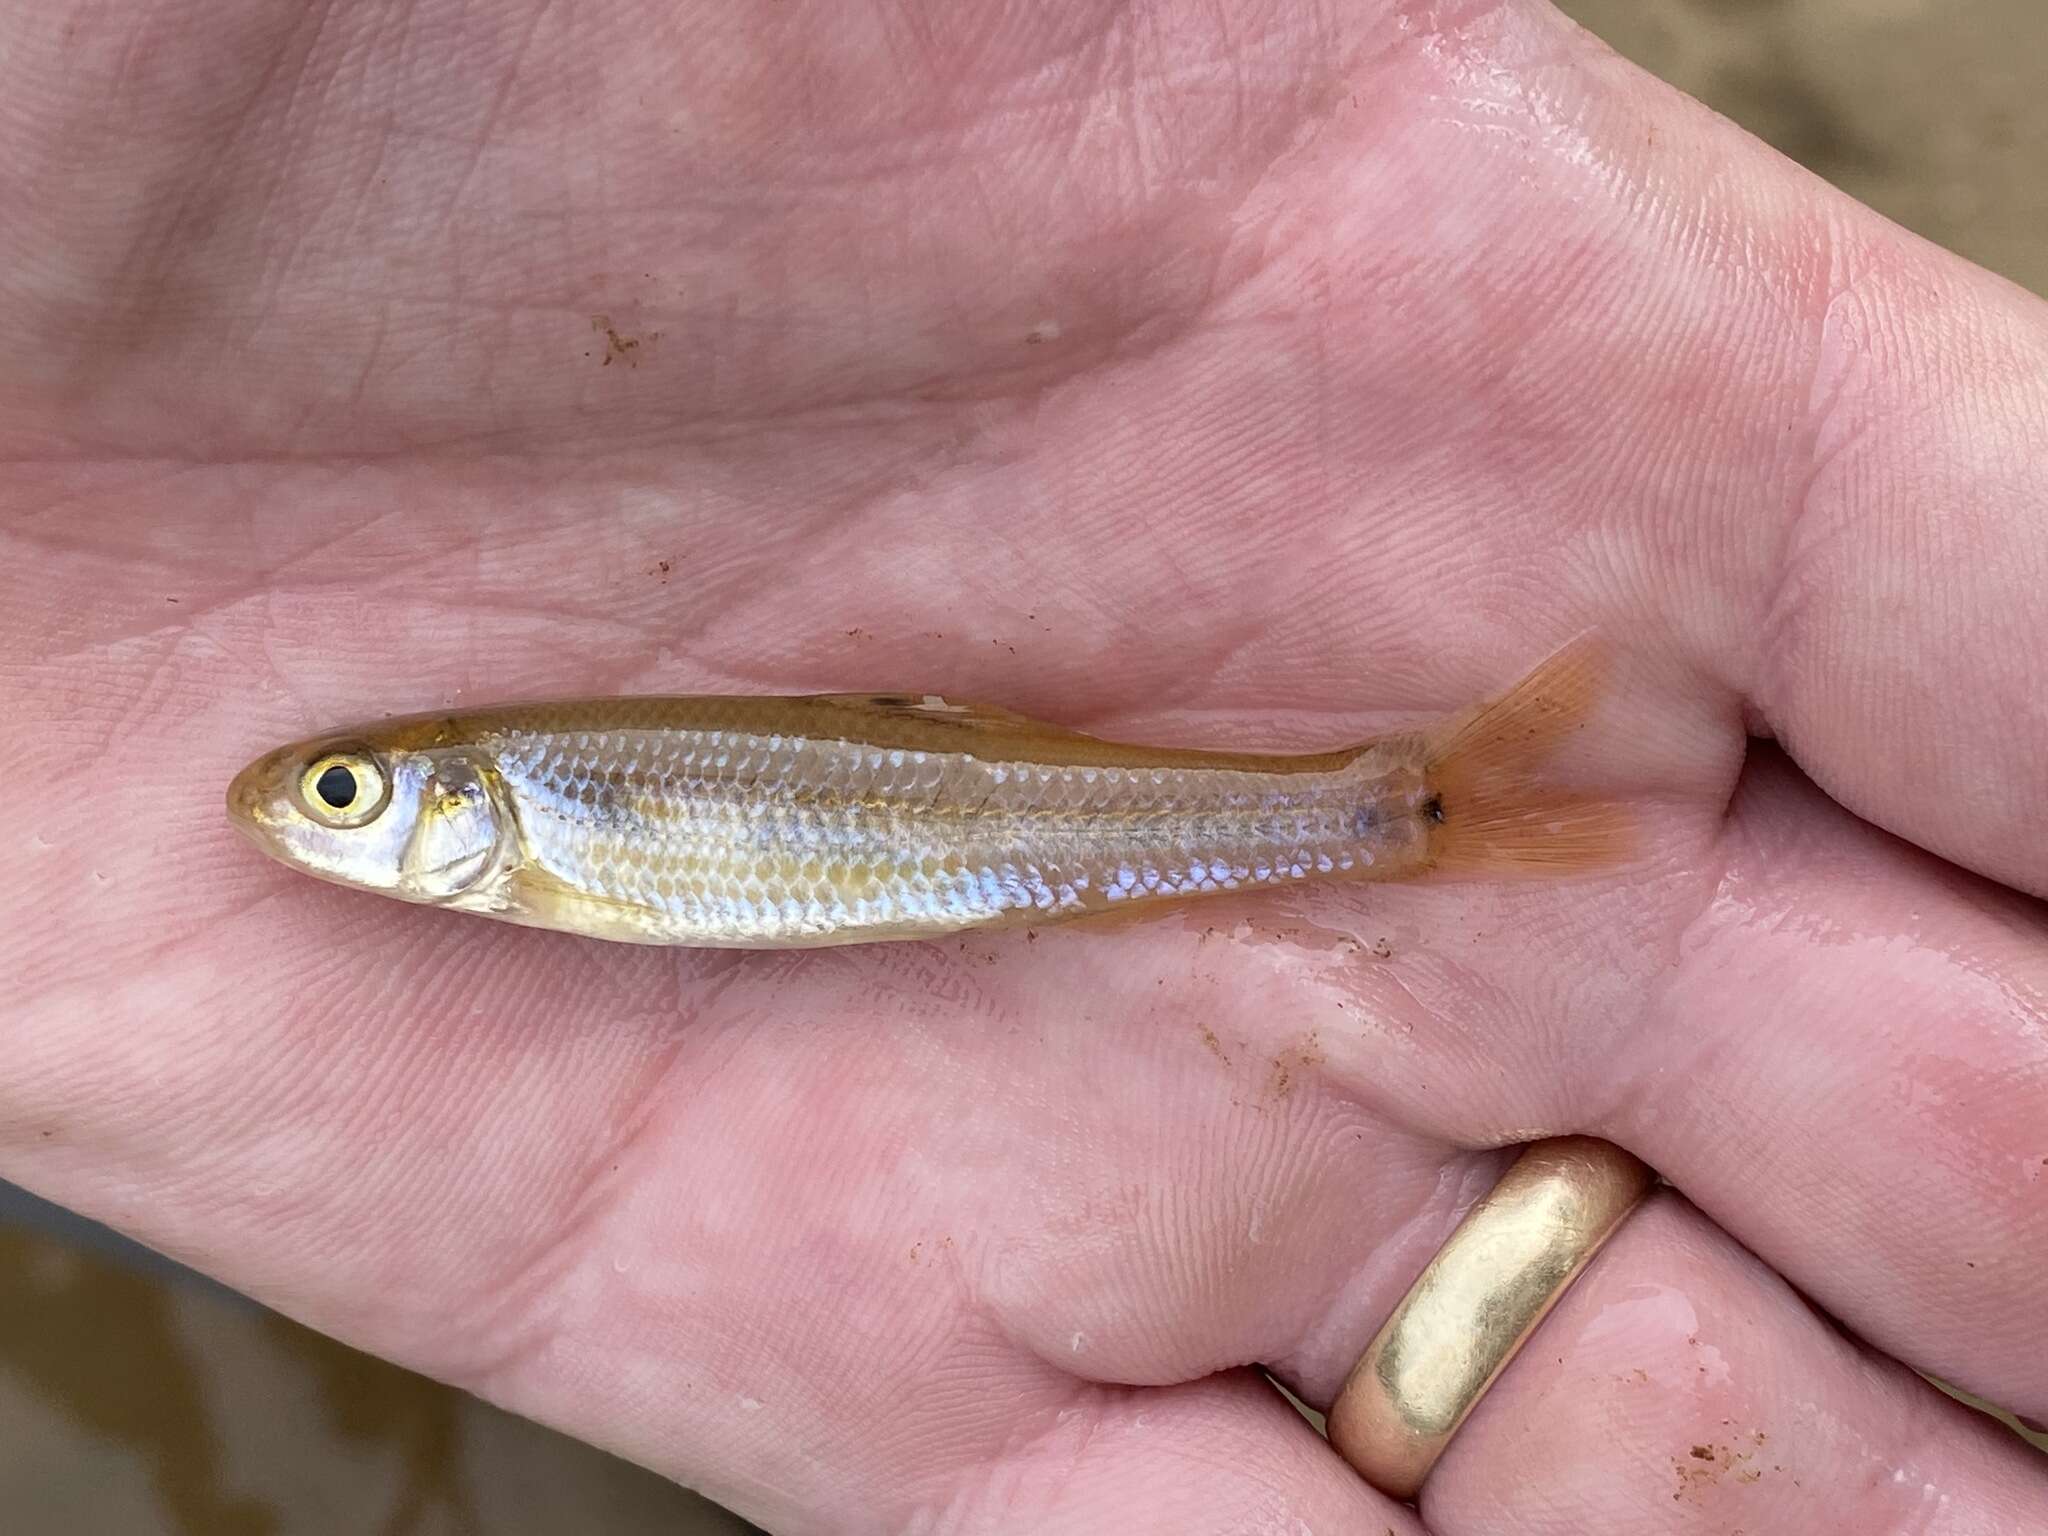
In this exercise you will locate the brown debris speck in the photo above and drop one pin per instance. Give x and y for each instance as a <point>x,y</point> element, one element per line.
<point>1706,1465</point>
<point>1280,1083</point>
<point>625,349</point>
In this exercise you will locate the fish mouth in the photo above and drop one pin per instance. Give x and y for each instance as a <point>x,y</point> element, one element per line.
<point>249,793</point>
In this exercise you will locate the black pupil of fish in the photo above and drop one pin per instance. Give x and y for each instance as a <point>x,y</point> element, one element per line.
<point>337,786</point>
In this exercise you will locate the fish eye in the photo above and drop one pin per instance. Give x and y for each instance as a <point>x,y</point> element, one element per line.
<point>336,786</point>
<point>343,789</point>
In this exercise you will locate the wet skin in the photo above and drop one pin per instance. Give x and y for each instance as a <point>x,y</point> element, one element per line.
<point>1150,368</point>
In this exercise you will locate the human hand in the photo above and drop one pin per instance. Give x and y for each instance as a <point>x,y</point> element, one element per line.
<point>1198,372</point>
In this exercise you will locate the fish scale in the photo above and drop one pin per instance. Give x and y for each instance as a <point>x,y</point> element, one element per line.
<point>738,838</point>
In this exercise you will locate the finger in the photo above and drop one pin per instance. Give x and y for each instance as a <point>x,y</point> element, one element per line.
<point>1818,450</point>
<point>1681,1386</point>
<point>1223,1457</point>
<point>1847,1068</point>
<point>1837,430</point>
<point>1835,1044</point>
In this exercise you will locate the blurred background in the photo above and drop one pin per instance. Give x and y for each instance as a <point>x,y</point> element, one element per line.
<point>136,1398</point>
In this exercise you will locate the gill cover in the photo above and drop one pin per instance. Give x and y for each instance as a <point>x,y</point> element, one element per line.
<point>459,834</point>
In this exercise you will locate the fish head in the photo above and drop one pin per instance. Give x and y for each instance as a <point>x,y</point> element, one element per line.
<point>421,825</point>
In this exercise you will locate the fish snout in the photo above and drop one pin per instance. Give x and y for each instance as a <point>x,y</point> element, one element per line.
<point>253,794</point>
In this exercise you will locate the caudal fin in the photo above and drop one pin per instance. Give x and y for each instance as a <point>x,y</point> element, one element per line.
<point>1493,811</point>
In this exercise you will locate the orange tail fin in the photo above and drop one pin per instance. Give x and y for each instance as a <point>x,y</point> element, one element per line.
<point>1493,812</point>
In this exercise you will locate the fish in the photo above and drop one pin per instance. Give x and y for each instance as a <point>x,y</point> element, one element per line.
<point>793,821</point>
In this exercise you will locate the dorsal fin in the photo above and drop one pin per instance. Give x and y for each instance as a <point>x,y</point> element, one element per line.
<point>969,713</point>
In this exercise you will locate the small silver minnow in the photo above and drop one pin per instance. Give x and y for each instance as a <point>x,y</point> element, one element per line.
<point>771,822</point>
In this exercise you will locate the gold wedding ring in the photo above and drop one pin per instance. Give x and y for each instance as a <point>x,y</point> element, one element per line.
<point>1515,1253</point>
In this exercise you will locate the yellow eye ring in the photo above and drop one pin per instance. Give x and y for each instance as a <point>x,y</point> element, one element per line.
<point>343,789</point>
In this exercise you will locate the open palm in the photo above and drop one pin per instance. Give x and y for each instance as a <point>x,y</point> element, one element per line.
<point>1211,372</point>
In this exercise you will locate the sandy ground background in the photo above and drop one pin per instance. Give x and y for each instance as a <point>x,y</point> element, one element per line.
<point>1934,112</point>
<point>136,1399</point>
